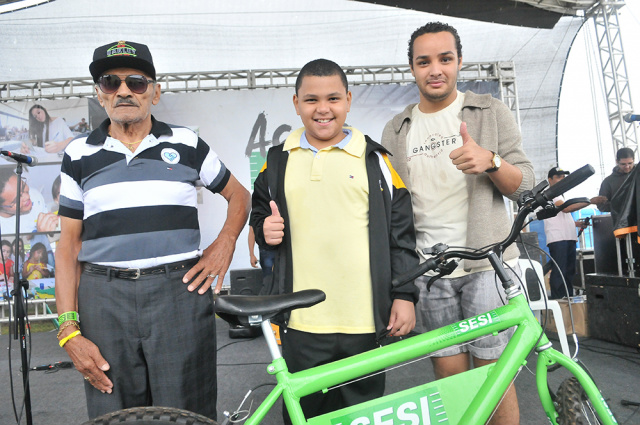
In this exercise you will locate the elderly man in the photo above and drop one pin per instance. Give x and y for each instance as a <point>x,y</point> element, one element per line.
<point>133,288</point>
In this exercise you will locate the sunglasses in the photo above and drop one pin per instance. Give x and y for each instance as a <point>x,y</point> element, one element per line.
<point>110,83</point>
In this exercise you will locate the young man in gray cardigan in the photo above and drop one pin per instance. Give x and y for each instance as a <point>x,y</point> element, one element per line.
<point>459,154</point>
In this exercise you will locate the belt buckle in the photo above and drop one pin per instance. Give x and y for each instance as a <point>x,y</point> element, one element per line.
<point>137,273</point>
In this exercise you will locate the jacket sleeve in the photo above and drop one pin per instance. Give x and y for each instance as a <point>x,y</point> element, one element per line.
<point>605,190</point>
<point>402,239</point>
<point>510,148</point>
<point>260,208</point>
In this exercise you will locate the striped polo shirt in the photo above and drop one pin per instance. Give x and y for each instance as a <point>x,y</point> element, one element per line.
<point>138,209</point>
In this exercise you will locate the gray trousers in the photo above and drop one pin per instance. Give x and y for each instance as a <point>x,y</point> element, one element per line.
<point>158,338</point>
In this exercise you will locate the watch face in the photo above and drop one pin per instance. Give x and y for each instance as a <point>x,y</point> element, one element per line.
<point>497,161</point>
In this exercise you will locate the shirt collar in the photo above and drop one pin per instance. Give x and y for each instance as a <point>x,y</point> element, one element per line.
<point>354,143</point>
<point>99,135</point>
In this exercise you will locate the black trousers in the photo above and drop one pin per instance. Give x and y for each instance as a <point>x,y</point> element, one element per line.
<point>564,253</point>
<point>303,350</point>
<point>158,338</point>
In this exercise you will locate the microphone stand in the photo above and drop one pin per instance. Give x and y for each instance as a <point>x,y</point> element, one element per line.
<point>20,312</point>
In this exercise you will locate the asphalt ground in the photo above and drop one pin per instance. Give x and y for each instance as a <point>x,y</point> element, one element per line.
<point>57,395</point>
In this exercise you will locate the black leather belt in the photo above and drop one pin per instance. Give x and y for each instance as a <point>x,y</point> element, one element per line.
<point>134,274</point>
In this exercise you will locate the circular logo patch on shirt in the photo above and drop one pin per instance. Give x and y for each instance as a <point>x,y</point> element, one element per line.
<point>170,156</point>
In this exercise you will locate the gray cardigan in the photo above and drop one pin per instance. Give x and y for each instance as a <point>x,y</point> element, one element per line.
<point>491,124</point>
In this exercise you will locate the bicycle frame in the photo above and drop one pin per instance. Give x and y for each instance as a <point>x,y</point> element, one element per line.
<point>468,398</point>
<point>438,401</point>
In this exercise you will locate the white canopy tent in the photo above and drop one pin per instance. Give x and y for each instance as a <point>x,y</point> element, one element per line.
<point>56,40</point>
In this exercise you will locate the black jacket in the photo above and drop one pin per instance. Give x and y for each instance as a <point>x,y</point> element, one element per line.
<point>610,186</point>
<point>391,231</point>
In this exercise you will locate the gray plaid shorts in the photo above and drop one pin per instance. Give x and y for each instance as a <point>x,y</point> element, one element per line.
<point>452,300</point>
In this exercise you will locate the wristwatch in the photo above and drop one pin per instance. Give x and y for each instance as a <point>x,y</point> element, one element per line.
<point>496,162</point>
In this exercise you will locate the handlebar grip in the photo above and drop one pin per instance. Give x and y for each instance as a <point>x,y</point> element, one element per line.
<point>569,182</point>
<point>430,264</point>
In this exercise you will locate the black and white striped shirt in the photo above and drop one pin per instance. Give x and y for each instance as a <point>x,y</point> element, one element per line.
<point>138,210</point>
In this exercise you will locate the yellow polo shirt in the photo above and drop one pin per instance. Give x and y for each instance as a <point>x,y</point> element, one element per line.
<point>327,196</point>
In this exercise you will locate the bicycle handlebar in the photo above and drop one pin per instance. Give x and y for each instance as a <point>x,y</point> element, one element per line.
<point>529,201</point>
<point>569,182</point>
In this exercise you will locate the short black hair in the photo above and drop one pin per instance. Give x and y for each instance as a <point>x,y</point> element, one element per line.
<point>38,246</point>
<point>432,28</point>
<point>6,172</point>
<point>624,153</point>
<point>55,186</point>
<point>321,68</point>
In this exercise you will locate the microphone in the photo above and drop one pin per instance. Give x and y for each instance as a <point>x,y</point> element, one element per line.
<point>586,223</point>
<point>631,117</point>
<point>25,159</point>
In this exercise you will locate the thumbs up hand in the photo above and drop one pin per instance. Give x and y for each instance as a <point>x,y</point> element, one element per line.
<point>470,158</point>
<point>273,227</point>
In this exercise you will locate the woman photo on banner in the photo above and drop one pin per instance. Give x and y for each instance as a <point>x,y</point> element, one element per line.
<point>51,133</point>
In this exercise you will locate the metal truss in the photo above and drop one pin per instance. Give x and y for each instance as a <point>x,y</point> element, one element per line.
<point>66,88</point>
<point>614,72</point>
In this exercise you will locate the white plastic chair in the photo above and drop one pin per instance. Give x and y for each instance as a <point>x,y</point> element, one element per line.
<point>537,305</point>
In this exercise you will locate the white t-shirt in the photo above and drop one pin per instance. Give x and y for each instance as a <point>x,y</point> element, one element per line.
<point>58,131</point>
<point>438,189</point>
<point>561,227</point>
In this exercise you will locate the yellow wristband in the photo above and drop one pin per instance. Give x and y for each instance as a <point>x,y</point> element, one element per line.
<point>66,339</point>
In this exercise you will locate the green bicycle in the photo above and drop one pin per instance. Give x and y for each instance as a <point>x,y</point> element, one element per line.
<point>467,398</point>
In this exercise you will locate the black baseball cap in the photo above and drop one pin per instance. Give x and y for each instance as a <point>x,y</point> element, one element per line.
<point>556,171</point>
<point>122,54</point>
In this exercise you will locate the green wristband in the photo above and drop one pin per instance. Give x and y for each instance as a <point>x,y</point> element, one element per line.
<point>65,317</point>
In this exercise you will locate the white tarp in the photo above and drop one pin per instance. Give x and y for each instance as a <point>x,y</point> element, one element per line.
<point>56,40</point>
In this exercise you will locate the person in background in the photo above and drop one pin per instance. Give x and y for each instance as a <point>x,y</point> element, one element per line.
<point>36,265</point>
<point>81,127</point>
<point>33,210</point>
<point>6,268</point>
<point>267,257</point>
<point>611,184</point>
<point>129,249</point>
<point>561,235</point>
<point>17,253</point>
<point>459,155</point>
<point>54,205</point>
<point>47,132</point>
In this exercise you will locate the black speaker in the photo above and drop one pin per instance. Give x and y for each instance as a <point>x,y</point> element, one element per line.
<point>245,281</point>
<point>604,245</point>
<point>613,308</point>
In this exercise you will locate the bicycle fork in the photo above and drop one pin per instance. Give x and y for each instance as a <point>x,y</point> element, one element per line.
<point>548,357</point>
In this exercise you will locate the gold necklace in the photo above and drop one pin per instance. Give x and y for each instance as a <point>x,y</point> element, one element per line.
<point>128,144</point>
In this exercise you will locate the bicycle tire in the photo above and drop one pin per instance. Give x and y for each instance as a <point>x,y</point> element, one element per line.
<point>151,416</point>
<point>573,406</point>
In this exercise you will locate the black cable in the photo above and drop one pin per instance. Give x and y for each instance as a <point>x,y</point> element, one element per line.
<point>632,413</point>
<point>237,342</point>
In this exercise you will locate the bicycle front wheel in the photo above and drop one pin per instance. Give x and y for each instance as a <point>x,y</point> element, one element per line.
<point>151,416</point>
<point>573,406</point>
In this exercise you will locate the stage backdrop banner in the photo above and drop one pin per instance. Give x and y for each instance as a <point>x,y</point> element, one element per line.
<point>41,130</point>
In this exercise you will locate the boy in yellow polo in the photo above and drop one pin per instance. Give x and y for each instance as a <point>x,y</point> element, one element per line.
<point>341,220</point>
